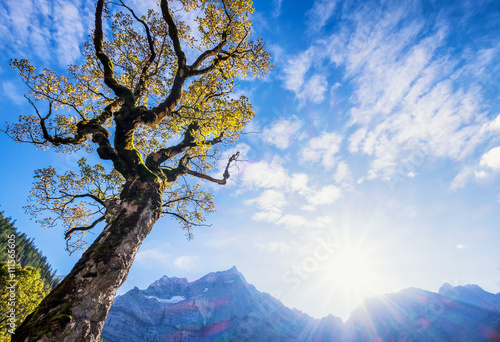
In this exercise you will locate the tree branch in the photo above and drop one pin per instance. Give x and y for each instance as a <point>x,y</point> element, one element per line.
<point>142,79</point>
<point>67,235</point>
<point>157,113</point>
<point>155,159</point>
<point>225,175</point>
<point>95,198</point>
<point>120,90</point>
<point>220,58</point>
<point>174,35</point>
<point>93,127</point>
<point>186,221</point>
<point>214,51</point>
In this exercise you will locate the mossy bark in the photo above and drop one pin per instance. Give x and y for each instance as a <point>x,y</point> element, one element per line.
<point>77,308</point>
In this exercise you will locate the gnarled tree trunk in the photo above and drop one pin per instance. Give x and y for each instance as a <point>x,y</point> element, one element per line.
<point>77,308</point>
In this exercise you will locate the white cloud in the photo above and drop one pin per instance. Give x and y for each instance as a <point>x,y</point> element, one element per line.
<point>356,138</point>
<point>319,14</point>
<point>314,89</point>
<point>234,169</point>
<point>460,246</point>
<point>157,255</point>
<point>264,175</point>
<point>409,90</point>
<point>293,221</point>
<point>282,188</point>
<point>494,125</point>
<point>47,30</point>
<point>406,94</point>
<point>322,149</point>
<point>462,178</point>
<point>69,31</point>
<point>296,69</point>
<point>269,200</point>
<point>275,246</point>
<point>186,262</point>
<point>298,182</point>
<point>488,164</point>
<point>11,91</point>
<point>277,8</point>
<point>282,132</point>
<point>491,159</point>
<point>266,216</point>
<point>326,195</point>
<point>306,88</point>
<point>343,173</point>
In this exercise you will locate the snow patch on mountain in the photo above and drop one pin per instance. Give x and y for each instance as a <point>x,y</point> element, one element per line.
<point>173,300</point>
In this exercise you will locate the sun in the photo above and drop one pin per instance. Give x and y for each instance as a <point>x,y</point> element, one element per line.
<point>355,271</point>
<point>351,269</point>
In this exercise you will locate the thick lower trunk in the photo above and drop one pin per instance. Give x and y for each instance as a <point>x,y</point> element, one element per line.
<point>77,308</point>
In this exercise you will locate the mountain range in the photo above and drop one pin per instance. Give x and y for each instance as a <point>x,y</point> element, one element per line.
<point>222,306</point>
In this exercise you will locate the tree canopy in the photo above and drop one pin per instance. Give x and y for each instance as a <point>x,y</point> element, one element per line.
<point>156,97</point>
<point>30,289</point>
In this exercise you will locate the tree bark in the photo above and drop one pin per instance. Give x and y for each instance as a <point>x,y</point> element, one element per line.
<point>77,308</point>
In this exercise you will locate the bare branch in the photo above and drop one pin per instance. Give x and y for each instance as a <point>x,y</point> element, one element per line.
<point>186,221</point>
<point>67,235</point>
<point>95,198</point>
<point>225,175</point>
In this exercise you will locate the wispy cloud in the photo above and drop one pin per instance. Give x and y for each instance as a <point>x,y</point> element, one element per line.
<point>314,89</point>
<point>408,88</point>
<point>186,262</point>
<point>407,93</point>
<point>264,174</point>
<point>299,76</point>
<point>156,255</point>
<point>322,149</point>
<point>69,31</point>
<point>326,195</point>
<point>319,14</point>
<point>488,165</point>
<point>46,30</point>
<point>11,91</point>
<point>277,8</point>
<point>275,246</point>
<point>282,191</point>
<point>269,200</point>
<point>282,132</point>
<point>296,68</point>
<point>342,173</point>
<point>234,169</point>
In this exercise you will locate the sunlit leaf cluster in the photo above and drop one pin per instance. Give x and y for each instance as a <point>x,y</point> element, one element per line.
<point>30,289</point>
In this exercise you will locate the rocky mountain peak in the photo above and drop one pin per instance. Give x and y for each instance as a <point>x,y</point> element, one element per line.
<point>222,306</point>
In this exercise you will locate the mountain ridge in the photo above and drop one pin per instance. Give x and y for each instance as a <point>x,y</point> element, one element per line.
<point>223,306</point>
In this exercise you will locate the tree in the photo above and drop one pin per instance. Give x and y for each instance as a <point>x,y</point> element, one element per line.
<point>26,252</point>
<point>158,123</point>
<point>28,289</point>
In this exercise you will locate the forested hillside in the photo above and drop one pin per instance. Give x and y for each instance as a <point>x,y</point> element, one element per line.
<point>27,254</point>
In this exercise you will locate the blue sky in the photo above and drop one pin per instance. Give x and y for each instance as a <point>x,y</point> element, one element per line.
<point>373,163</point>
